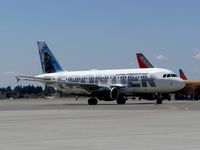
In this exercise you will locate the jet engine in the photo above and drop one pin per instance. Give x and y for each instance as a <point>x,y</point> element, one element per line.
<point>106,93</point>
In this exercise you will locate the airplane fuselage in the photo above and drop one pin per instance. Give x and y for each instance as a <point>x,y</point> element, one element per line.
<point>128,81</point>
<point>105,84</point>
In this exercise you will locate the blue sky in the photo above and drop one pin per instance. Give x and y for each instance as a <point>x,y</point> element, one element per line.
<point>99,34</point>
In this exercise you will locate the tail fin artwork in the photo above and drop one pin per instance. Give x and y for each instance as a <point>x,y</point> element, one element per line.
<point>143,61</point>
<point>48,60</point>
<point>182,75</point>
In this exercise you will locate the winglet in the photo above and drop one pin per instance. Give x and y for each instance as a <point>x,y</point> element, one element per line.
<point>18,79</point>
<point>182,74</point>
<point>143,61</point>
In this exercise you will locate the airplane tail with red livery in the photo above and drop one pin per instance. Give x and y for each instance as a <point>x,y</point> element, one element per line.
<point>182,74</point>
<point>143,61</point>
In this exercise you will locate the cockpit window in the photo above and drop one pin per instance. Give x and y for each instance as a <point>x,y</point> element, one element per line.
<point>169,75</point>
<point>173,75</point>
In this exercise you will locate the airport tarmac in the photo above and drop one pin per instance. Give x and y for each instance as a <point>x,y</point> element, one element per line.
<point>49,124</point>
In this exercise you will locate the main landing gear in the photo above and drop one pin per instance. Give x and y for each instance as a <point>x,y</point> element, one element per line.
<point>92,101</point>
<point>121,100</point>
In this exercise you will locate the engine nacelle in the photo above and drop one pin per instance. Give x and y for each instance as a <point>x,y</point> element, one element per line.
<point>106,93</point>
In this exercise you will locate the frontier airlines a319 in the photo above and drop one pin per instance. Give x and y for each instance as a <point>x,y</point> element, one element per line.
<point>106,85</point>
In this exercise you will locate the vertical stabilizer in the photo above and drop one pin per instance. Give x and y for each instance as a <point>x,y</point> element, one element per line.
<point>48,60</point>
<point>182,74</point>
<point>143,61</point>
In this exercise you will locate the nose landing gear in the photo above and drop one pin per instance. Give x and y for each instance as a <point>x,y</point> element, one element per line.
<point>159,98</point>
<point>159,101</point>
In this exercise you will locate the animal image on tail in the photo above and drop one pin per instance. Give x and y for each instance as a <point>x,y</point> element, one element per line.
<point>48,60</point>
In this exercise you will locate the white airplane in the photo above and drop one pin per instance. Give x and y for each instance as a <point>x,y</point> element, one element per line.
<point>106,85</point>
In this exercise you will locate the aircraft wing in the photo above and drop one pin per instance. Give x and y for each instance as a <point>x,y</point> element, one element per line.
<point>62,84</point>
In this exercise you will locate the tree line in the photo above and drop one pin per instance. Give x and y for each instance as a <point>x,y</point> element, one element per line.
<point>29,91</point>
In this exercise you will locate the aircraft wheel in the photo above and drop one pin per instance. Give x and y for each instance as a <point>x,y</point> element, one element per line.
<point>121,100</point>
<point>159,101</point>
<point>92,101</point>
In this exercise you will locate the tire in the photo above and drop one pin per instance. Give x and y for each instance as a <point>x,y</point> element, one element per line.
<point>92,101</point>
<point>159,101</point>
<point>121,100</point>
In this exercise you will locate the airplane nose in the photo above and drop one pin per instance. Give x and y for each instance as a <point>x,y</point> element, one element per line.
<point>180,84</point>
